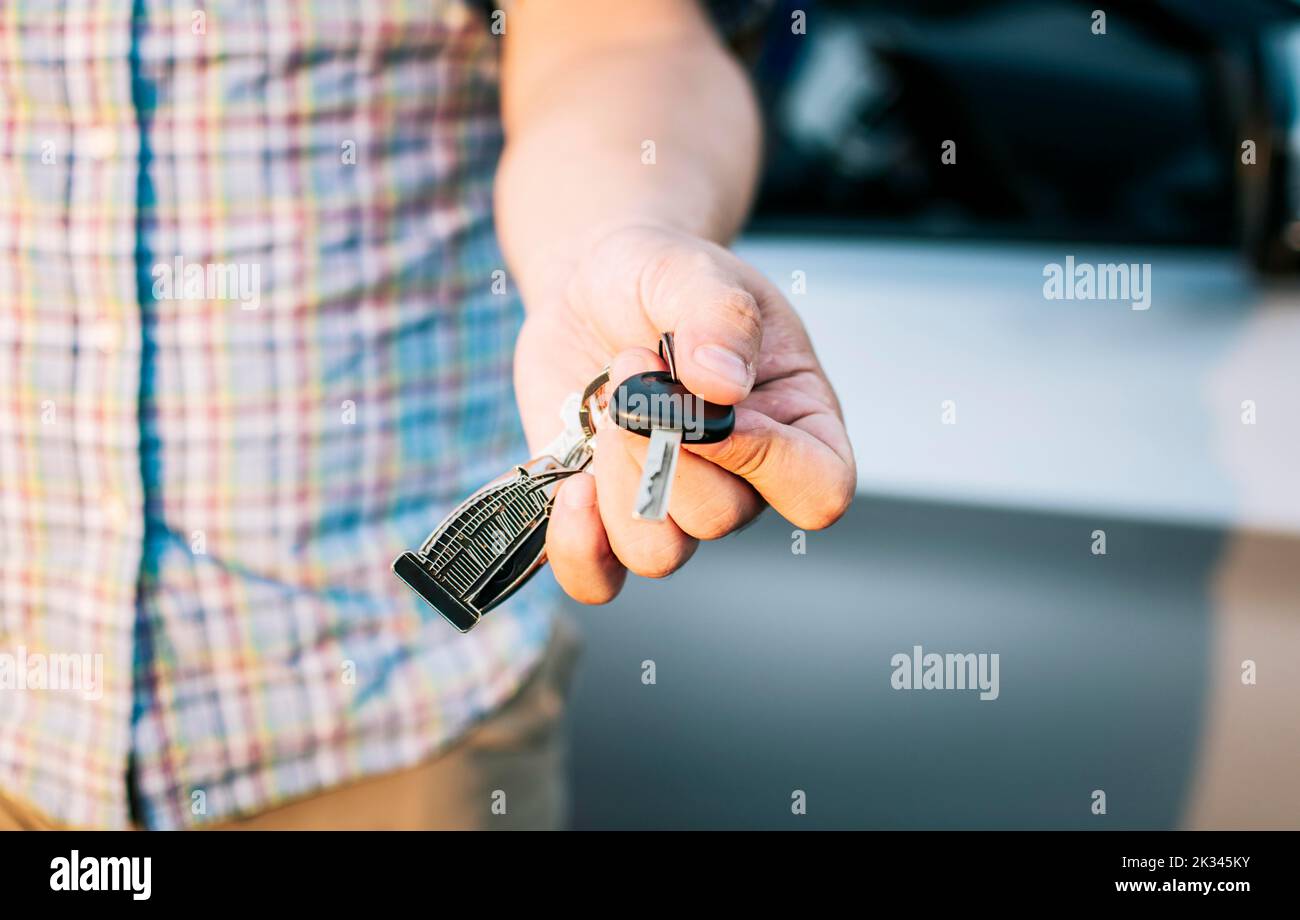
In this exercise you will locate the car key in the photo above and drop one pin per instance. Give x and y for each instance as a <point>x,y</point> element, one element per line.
<point>657,406</point>
<point>657,478</point>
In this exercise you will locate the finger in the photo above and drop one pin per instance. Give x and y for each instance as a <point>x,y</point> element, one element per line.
<point>706,502</point>
<point>577,547</point>
<point>692,289</point>
<point>808,482</point>
<point>652,549</point>
<point>717,325</point>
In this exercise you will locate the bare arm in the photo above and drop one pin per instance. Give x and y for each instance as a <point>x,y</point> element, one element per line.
<point>586,84</point>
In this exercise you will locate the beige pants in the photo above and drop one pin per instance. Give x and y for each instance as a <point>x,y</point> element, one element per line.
<point>512,760</point>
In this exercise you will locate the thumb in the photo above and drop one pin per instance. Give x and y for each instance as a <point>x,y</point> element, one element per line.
<point>717,335</point>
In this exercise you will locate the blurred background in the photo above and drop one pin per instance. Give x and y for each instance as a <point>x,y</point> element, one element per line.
<point>922,282</point>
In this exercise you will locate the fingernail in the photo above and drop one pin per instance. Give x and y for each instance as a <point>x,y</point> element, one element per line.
<point>578,494</point>
<point>725,363</point>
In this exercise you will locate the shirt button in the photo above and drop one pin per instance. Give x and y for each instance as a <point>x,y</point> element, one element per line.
<point>106,335</point>
<point>101,143</point>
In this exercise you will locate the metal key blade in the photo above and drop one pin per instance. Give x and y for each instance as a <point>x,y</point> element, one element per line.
<point>657,477</point>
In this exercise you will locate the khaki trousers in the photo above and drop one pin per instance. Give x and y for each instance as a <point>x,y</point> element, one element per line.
<point>507,772</point>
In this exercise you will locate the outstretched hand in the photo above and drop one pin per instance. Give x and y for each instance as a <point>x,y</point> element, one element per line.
<point>738,342</point>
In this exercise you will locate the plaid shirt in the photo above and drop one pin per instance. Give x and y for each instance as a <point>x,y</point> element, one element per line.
<point>251,350</point>
<point>253,344</point>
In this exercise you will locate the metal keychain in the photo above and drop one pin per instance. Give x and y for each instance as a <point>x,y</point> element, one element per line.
<point>495,540</point>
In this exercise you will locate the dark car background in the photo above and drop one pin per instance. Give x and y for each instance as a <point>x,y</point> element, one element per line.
<point>1133,134</point>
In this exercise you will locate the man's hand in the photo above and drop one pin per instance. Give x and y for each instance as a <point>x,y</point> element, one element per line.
<point>738,341</point>
<point>610,249</point>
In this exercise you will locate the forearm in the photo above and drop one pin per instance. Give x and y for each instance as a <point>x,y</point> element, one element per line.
<point>577,158</point>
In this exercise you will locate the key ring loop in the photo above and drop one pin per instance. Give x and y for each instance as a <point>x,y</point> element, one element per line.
<point>666,353</point>
<point>595,389</point>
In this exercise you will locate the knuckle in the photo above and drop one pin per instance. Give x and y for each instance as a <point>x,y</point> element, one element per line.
<point>716,527</point>
<point>716,519</point>
<point>659,566</point>
<point>829,505</point>
<point>658,272</point>
<point>748,458</point>
<point>740,309</point>
<point>740,303</point>
<point>593,593</point>
<point>589,576</point>
<point>654,558</point>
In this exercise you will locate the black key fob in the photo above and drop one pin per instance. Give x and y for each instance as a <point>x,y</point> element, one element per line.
<point>654,400</point>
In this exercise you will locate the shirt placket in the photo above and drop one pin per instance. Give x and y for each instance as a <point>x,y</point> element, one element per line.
<point>102,233</point>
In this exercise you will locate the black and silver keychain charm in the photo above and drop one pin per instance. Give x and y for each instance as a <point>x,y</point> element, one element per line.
<point>495,540</point>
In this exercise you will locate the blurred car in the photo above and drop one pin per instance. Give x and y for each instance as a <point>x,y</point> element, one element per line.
<point>1061,130</point>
